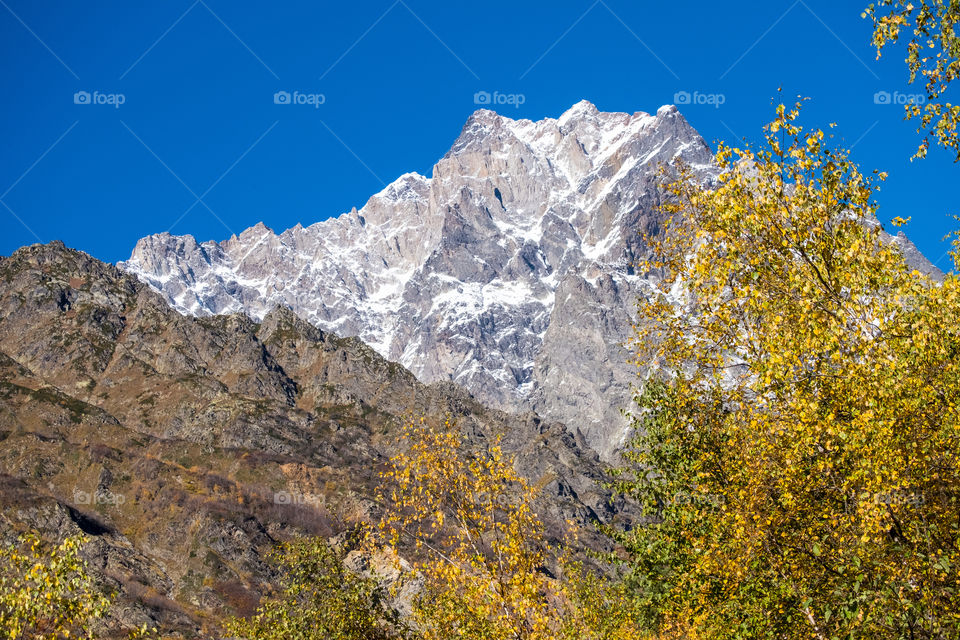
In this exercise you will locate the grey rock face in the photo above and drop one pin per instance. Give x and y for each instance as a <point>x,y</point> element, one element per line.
<point>508,271</point>
<point>913,257</point>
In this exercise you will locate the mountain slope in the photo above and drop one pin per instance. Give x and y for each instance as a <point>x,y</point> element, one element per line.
<point>178,443</point>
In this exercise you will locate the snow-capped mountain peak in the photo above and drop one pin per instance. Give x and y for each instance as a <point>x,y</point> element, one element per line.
<point>507,271</point>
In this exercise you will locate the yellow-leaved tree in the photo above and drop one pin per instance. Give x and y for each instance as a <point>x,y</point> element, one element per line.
<point>798,439</point>
<point>46,593</point>
<point>481,550</point>
<point>933,52</point>
<point>321,599</point>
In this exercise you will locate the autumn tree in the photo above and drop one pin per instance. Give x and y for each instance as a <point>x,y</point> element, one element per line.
<point>46,593</point>
<point>933,53</point>
<point>320,599</point>
<point>480,549</point>
<point>798,437</point>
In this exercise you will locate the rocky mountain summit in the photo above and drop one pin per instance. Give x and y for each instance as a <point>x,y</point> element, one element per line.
<point>508,271</point>
<point>187,447</point>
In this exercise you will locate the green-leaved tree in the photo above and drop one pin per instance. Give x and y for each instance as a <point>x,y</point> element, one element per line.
<point>321,599</point>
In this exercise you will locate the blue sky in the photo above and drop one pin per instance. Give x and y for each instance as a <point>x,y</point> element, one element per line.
<point>199,145</point>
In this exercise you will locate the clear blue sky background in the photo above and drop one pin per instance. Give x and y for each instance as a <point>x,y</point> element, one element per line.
<point>398,78</point>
